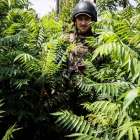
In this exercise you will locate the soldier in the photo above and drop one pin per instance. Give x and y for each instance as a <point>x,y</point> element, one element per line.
<point>82,16</point>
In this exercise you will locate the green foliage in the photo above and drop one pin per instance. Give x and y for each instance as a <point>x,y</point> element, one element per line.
<point>33,76</point>
<point>111,5</point>
<point>83,136</point>
<point>28,72</point>
<point>115,81</point>
<point>66,8</point>
<point>1,111</point>
<point>104,116</point>
<point>12,129</point>
<point>9,132</point>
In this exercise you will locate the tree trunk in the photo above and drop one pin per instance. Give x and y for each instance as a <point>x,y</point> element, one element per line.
<point>57,7</point>
<point>124,3</point>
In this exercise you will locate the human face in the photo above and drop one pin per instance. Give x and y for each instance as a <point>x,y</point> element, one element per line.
<point>83,25</point>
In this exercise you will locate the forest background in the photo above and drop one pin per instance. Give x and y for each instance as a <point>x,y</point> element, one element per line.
<point>51,4</point>
<point>31,54</point>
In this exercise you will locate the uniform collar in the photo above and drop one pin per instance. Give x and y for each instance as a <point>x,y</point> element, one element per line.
<point>78,39</point>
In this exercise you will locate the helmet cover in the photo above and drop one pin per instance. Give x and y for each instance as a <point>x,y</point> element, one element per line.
<point>84,7</point>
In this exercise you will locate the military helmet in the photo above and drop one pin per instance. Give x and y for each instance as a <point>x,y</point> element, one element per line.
<point>84,7</point>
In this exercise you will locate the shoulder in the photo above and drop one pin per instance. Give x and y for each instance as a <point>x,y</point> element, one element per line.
<point>67,35</point>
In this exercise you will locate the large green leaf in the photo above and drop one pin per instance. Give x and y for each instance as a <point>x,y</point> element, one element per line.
<point>136,134</point>
<point>130,96</point>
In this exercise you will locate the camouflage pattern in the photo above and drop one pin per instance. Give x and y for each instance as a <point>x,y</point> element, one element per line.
<point>77,55</point>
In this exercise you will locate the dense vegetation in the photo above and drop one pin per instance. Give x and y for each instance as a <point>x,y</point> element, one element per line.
<point>31,56</point>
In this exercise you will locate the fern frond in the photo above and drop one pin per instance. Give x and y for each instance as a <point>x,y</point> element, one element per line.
<point>124,56</point>
<point>9,132</point>
<point>1,104</point>
<point>9,39</point>
<point>103,109</point>
<point>92,71</point>
<point>129,97</point>
<point>84,137</point>
<point>19,82</point>
<point>10,71</point>
<point>73,122</point>
<point>132,128</point>
<point>40,38</point>
<point>29,62</point>
<point>15,53</point>
<point>79,124</point>
<point>112,89</point>
<point>111,110</point>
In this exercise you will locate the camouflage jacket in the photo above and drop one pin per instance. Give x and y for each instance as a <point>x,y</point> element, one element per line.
<point>78,53</point>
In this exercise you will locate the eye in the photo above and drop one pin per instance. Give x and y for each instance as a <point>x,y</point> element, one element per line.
<point>87,19</point>
<point>80,19</point>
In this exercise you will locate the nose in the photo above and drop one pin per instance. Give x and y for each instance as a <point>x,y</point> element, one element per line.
<point>83,22</point>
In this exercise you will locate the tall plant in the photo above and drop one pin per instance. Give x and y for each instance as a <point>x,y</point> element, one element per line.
<point>25,71</point>
<point>66,8</point>
<point>31,69</point>
<point>115,113</point>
